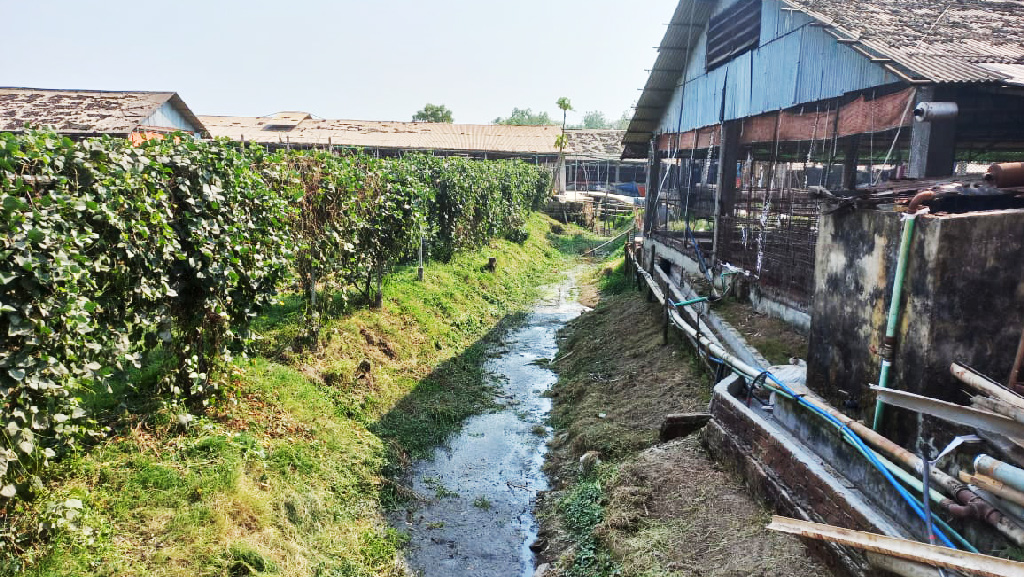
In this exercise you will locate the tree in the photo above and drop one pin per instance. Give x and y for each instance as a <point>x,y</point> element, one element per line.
<point>525,117</point>
<point>561,142</point>
<point>595,119</point>
<point>433,113</point>
<point>623,122</point>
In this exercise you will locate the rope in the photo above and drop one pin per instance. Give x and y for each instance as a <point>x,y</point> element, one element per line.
<point>906,109</point>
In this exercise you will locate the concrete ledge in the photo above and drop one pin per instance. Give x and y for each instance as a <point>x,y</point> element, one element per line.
<point>780,469</point>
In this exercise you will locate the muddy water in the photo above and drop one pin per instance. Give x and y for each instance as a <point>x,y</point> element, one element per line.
<point>476,516</point>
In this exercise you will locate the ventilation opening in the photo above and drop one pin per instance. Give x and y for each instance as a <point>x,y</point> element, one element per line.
<point>733,31</point>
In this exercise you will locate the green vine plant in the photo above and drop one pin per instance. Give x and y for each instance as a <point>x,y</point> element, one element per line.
<point>111,252</point>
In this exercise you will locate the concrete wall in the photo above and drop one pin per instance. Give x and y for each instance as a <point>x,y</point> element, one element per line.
<point>963,300</point>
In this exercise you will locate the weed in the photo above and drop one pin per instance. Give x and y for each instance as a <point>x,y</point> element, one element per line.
<point>297,462</point>
<point>247,561</point>
<point>581,511</point>
<point>482,502</point>
<point>440,491</point>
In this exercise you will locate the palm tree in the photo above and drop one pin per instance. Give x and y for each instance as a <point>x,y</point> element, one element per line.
<point>561,142</point>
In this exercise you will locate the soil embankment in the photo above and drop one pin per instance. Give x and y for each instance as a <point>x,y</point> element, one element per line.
<point>647,508</point>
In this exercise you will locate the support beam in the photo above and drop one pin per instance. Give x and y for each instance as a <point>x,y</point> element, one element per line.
<point>952,412</point>
<point>653,182</point>
<point>850,160</point>
<point>932,144</point>
<point>725,190</point>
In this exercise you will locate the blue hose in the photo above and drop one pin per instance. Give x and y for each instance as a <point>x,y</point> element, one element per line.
<point>868,453</point>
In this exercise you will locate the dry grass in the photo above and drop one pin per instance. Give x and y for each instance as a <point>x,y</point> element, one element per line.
<point>666,510</point>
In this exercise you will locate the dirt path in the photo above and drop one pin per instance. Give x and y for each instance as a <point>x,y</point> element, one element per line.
<point>663,509</point>
<point>475,516</point>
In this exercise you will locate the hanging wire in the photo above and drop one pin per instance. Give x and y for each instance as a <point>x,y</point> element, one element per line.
<point>903,118</point>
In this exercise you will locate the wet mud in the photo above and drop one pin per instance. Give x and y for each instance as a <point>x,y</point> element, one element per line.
<point>475,516</point>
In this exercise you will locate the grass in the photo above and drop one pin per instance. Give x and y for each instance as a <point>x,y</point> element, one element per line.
<point>582,510</point>
<point>290,472</point>
<point>647,509</point>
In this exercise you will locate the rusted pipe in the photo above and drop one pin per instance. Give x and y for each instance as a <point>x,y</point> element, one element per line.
<point>967,504</point>
<point>985,385</point>
<point>995,487</point>
<point>1005,175</point>
<point>918,200</point>
<point>1011,383</point>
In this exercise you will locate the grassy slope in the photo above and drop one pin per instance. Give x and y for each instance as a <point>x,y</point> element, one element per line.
<point>290,473</point>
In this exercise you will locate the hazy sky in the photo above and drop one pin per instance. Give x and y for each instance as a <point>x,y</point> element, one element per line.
<point>354,59</point>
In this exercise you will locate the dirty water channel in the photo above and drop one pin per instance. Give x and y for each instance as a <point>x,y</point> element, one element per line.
<point>475,516</point>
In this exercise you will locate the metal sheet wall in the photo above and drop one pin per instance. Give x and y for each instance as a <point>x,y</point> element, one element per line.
<point>795,64</point>
<point>167,117</point>
<point>828,69</point>
<point>776,23</point>
<point>775,68</point>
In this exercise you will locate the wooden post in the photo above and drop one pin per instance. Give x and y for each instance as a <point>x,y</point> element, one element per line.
<point>666,322</point>
<point>725,189</point>
<point>650,270</point>
<point>850,161</point>
<point>653,181</point>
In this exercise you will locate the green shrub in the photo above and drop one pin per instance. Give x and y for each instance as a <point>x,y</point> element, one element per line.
<point>111,252</point>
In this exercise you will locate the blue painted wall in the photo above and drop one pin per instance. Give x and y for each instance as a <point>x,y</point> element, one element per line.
<point>167,117</point>
<point>795,63</point>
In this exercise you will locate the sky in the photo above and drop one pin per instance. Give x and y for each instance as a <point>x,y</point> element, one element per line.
<point>346,59</point>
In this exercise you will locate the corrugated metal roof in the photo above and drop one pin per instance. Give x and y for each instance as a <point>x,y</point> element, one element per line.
<point>684,31</point>
<point>85,111</point>
<point>404,135</point>
<point>929,40</point>
<point>1014,73</point>
<point>920,41</point>
<point>599,144</point>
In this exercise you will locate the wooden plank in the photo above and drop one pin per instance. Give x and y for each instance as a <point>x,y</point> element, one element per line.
<point>904,549</point>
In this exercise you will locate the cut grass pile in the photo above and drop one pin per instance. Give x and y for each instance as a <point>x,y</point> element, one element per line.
<point>647,509</point>
<point>290,472</point>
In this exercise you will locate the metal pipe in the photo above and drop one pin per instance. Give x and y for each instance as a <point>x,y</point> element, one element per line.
<point>966,504</point>
<point>1003,505</point>
<point>1000,471</point>
<point>995,487</point>
<point>1006,175</point>
<point>931,111</point>
<point>985,385</point>
<point>889,341</point>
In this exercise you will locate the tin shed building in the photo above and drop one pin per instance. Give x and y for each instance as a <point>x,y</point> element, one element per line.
<point>82,113</point>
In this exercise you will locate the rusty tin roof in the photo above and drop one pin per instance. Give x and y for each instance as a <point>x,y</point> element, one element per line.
<point>300,128</point>
<point>84,111</point>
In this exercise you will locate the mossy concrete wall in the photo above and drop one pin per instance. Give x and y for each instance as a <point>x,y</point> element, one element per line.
<point>963,300</point>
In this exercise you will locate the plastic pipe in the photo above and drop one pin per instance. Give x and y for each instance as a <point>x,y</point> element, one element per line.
<point>690,301</point>
<point>1000,471</point>
<point>985,385</point>
<point>889,342</point>
<point>967,502</point>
